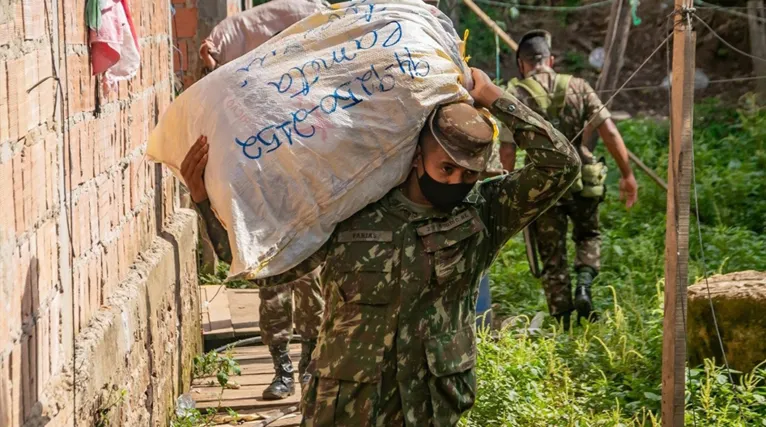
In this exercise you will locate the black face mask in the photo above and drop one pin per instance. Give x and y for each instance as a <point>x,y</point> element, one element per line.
<point>443,196</point>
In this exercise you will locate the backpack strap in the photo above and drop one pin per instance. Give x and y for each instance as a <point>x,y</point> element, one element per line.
<point>538,92</point>
<point>560,86</point>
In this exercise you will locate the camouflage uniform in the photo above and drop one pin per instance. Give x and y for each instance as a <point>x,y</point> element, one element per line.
<point>397,342</point>
<point>276,310</point>
<point>580,105</point>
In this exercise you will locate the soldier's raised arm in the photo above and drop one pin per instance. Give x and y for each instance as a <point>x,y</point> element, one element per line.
<point>193,171</point>
<point>515,200</point>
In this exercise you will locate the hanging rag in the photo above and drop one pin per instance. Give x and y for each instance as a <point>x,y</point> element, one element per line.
<point>113,41</point>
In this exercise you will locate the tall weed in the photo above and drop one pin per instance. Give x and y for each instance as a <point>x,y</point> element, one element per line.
<point>608,373</point>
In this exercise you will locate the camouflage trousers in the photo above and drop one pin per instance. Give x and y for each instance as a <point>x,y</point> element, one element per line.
<point>329,402</point>
<point>551,233</point>
<point>278,311</point>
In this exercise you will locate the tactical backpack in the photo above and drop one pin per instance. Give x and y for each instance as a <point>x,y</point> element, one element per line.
<point>590,183</point>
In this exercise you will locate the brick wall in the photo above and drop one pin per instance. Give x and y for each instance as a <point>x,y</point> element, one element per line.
<point>60,268</point>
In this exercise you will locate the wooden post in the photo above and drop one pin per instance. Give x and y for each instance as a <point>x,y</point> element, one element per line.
<point>755,14</point>
<point>677,225</point>
<point>614,47</point>
<point>491,24</point>
<point>614,53</point>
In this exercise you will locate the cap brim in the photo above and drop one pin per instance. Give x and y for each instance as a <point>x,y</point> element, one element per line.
<point>475,163</point>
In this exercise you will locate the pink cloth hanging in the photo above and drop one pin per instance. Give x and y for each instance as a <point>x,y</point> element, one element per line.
<point>114,47</point>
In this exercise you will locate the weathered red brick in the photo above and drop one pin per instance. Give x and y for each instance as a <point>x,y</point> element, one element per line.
<point>81,226</point>
<point>37,182</point>
<point>125,192</point>
<point>87,151</point>
<point>80,28</point>
<point>18,192</point>
<point>94,284</point>
<point>16,377</point>
<point>80,306</point>
<point>47,90</point>
<point>6,412</point>
<point>95,235</point>
<point>8,217</point>
<point>33,19</point>
<point>185,22</point>
<point>55,319</point>
<point>51,170</point>
<point>72,149</point>
<point>25,277</point>
<point>42,366</point>
<point>29,371</point>
<point>4,126</point>
<point>106,208</point>
<point>33,97</point>
<point>17,98</point>
<point>109,266</point>
<point>89,90</point>
<point>6,33</point>
<point>15,291</point>
<point>48,258</point>
<point>28,194</point>
<point>73,93</point>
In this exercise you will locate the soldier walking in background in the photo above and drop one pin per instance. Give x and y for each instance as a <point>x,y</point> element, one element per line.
<point>570,104</point>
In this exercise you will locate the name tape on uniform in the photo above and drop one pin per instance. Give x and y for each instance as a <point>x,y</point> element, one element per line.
<point>449,224</point>
<point>365,236</point>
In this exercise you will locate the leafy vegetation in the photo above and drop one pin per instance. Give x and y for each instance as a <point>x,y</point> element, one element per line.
<point>221,366</point>
<point>219,277</point>
<point>608,373</point>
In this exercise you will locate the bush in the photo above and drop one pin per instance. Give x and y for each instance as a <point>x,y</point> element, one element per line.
<point>608,373</point>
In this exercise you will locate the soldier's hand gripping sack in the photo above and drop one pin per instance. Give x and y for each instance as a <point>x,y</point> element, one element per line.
<point>315,124</point>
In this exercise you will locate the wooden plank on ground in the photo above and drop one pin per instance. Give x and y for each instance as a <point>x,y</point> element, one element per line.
<point>216,321</point>
<point>243,304</point>
<point>257,372</point>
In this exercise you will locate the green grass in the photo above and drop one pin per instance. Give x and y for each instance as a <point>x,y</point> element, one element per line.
<point>609,373</point>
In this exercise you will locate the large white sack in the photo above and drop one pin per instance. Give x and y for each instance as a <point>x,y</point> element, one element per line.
<point>315,124</point>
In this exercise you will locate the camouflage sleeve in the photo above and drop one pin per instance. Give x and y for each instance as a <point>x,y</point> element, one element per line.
<point>592,107</point>
<point>505,136</point>
<point>216,231</point>
<point>515,200</point>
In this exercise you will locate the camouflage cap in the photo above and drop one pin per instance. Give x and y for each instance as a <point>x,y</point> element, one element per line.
<point>534,45</point>
<point>464,133</point>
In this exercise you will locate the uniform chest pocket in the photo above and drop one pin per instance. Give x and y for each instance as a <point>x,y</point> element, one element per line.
<point>365,274</point>
<point>452,245</point>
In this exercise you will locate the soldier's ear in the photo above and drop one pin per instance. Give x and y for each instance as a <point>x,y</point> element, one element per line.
<point>551,61</point>
<point>416,157</point>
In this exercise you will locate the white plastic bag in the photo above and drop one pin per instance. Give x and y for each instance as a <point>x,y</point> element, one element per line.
<point>315,124</point>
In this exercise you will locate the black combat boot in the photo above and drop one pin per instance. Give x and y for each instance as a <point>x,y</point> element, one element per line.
<point>563,319</point>
<point>283,384</point>
<point>582,301</point>
<point>307,348</point>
